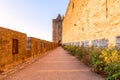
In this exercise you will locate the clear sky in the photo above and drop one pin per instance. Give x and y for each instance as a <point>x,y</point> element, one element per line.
<point>33,17</point>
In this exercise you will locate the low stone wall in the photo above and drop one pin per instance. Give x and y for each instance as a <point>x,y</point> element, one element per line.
<point>34,47</point>
<point>12,46</point>
<point>16,48</point>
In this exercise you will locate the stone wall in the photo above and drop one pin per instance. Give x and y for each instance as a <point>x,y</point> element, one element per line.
<point>12,46</point>
<point>16,48</point>
<point>33,46</point>
<point>37,47</point>
<point>95,21</point>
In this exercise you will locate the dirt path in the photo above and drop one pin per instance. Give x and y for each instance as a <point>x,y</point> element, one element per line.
<point>57,65</point>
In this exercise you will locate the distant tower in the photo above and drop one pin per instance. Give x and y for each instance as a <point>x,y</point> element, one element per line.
<point>57,29</point>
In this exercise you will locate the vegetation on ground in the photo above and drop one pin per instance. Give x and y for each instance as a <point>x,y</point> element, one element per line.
<point>103,61</point>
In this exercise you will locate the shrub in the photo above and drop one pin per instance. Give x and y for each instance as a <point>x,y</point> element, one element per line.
<point>113,71</point>
<point>110,55</point>
<point>104,61</point>
<point>70,49</point>
<point>86,55</point>
<point>79,53</point>
<point>96,61</point>
<point>111,59</point>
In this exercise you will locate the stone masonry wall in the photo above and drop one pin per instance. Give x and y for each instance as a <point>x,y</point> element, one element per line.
<point>34,47</point>
<point>7,55</point>
<point>57,29</point>
<point>95,21</point>
<point>16,48</point>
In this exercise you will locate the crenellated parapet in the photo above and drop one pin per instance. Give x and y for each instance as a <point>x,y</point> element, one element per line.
<point>16,48</point>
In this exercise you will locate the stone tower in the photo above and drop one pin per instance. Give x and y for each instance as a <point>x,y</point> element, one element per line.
<point>57,29</point>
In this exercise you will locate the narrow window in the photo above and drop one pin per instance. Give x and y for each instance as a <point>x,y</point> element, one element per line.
<point>14,46</point>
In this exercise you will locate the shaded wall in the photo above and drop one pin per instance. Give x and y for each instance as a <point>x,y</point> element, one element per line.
<point>33,46</point>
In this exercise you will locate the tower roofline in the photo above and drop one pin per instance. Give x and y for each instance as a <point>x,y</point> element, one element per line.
<point>59,17</point>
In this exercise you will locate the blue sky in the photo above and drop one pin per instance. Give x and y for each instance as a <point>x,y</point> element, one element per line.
<point>33,17</point>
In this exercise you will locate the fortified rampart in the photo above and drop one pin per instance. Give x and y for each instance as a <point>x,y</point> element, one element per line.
<point>92,23</point>
<point>16,48</point>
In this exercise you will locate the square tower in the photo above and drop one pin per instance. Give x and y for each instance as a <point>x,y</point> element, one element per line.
<point>57,29</point>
